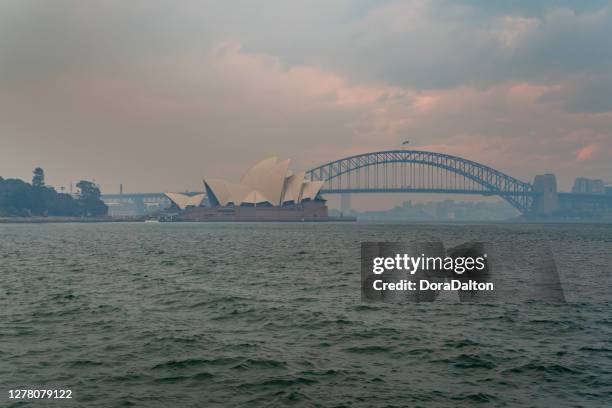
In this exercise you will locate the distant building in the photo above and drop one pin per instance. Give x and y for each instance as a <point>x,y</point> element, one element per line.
<point>584,185</point>
<point>444,211</point>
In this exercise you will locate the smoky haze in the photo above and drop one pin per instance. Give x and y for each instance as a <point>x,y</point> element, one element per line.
<point>158,94</point>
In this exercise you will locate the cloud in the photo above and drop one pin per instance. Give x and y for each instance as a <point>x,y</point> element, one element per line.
<point>213,110</point>
<point>583,94</point>
<point>426,44</point>
<point>156,95</point>
<point>586,152</point>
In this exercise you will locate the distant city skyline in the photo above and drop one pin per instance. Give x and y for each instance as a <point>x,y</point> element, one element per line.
<point>159,94</point>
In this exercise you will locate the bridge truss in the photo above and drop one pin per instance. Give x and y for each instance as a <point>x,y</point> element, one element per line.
<point>414,171</point>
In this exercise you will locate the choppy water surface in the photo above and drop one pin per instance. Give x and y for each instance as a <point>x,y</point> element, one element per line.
<point>270,314</point>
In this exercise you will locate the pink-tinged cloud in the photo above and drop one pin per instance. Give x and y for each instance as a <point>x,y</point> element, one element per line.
<point>222,110</point>
<point>586,153</point>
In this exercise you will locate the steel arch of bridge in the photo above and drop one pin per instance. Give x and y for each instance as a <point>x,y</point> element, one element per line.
<point>420,172</point>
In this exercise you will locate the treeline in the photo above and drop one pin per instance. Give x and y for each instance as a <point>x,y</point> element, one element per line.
<point>21,199</point>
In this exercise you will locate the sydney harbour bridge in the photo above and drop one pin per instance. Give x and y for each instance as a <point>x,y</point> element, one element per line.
<point>416,171</point>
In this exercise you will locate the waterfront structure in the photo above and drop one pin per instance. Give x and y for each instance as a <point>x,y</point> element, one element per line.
<point>268,191</point>
<point>182,201</point>
<point>268,183</point>
<point>406,171</point>
<point>584,185</point>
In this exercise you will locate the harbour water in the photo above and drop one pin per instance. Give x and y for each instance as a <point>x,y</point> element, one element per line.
<point>191,315</point>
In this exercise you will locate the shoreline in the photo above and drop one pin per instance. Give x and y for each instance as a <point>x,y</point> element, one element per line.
<point>86,220</point>
<point>82,220</point>
<point>61,220</point>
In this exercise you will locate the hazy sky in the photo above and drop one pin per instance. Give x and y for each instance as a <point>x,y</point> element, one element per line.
<point>158,94</point>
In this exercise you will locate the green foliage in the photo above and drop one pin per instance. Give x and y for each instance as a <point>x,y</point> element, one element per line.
<point>18,198</point>
<point>15,198</point>
<point>38,180</point>
<point>89,198</point>
<point>88,190</point>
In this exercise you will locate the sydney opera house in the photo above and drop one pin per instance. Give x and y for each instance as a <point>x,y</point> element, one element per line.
<point>269,191</point>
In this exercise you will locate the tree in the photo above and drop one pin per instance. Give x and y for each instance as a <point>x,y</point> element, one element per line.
<point>89,198</point>
<point>15,198</point>
<point>18,198</point>
<point>38,180</point>
<point>88,190</point>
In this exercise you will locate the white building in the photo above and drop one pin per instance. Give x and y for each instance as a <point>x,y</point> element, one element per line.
<point>268,183</point>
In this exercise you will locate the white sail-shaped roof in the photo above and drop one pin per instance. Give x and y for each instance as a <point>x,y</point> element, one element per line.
<point>304,190</point>
<point>310,189</point>
<point>267,181</point>
<point>293,187</point>
<point>268,177</point>
<point>219,189</point>
<point>255,197</point>
<point>315,187</point>
<point>183,201</point>
<point>258,172</point>
<point>196,200</point>
<point>237,192</point>
<point>226,193</point>
<point>273,187</point>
